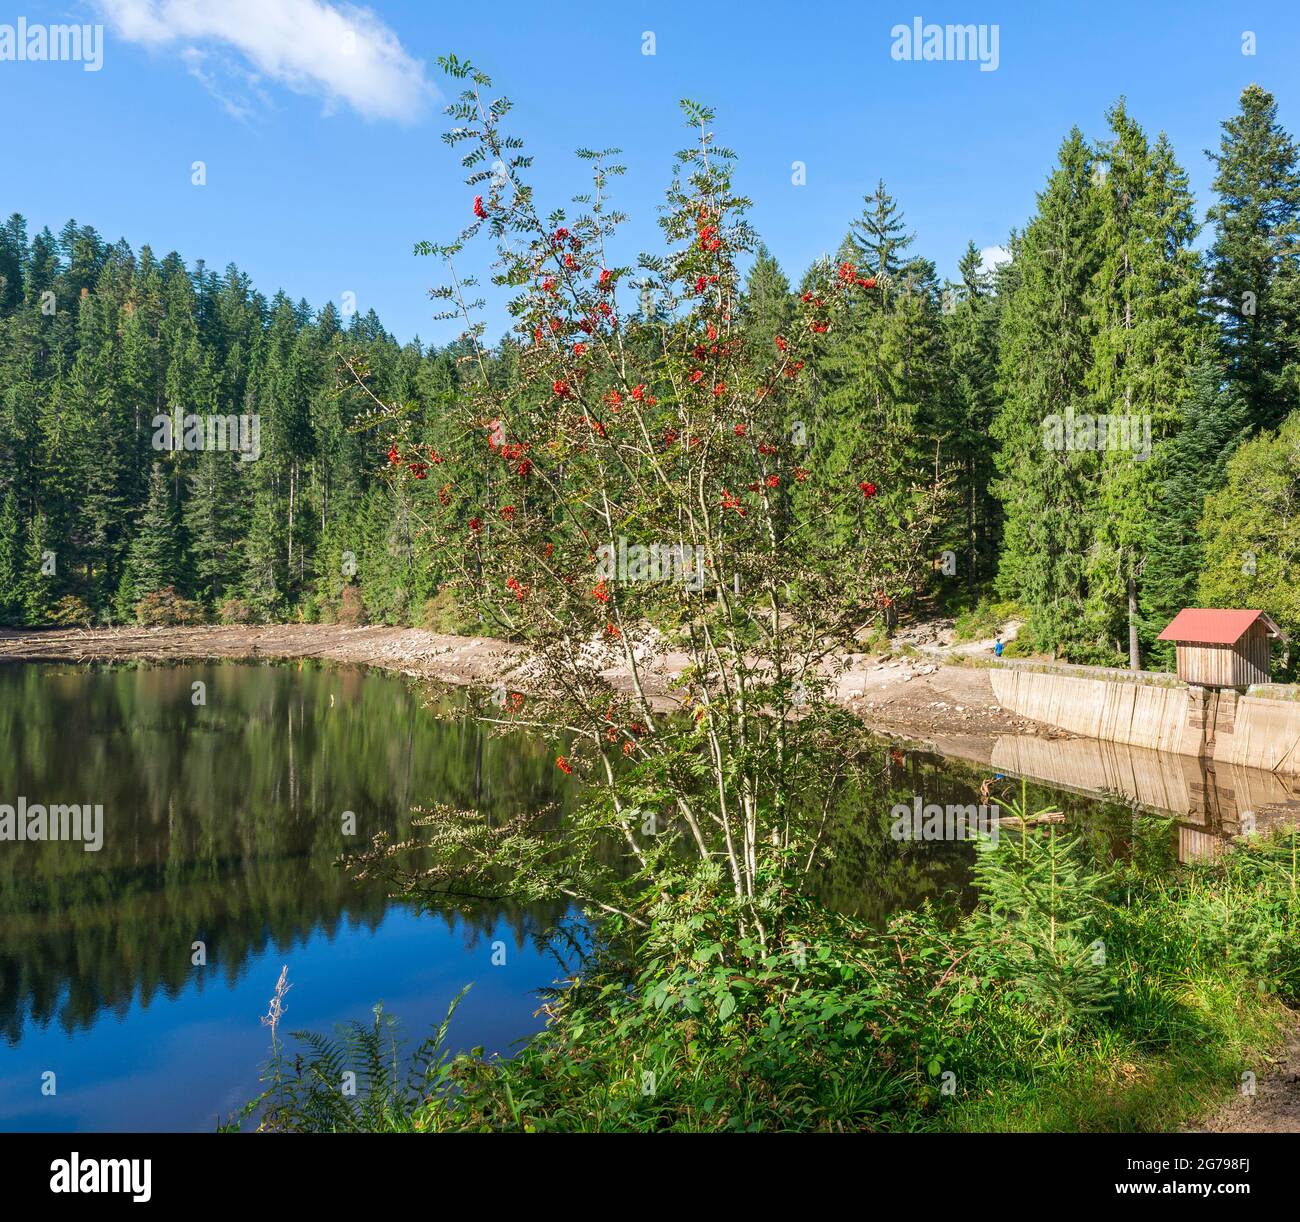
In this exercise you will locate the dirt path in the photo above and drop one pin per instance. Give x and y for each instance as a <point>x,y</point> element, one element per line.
<point>914,696</point>
<point>1275,1105</point>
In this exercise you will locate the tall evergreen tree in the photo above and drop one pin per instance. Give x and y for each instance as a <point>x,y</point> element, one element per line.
<point>767,306</point>
<point>1045,353</point>
<point>1214,421</point>
<point>1254,262</point>
<point>879,376</point>
<point>215,525</point>
<point>967,408</point>
<point>42,580</point>
<point>155,558</point>
<point>12,577</point>
<point>1146,335</point>
<point>879,238</point>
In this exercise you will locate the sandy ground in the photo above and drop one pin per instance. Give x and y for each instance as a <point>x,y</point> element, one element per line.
<point>916,695</point>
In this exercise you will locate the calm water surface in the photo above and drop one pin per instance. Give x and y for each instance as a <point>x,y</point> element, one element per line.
<point>222,824</point>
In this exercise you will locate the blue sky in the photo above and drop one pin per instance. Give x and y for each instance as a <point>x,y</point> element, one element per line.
<point>324,168</point>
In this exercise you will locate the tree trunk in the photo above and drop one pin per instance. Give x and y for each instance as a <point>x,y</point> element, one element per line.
<point>972,547</point>
<point>1134,650</point>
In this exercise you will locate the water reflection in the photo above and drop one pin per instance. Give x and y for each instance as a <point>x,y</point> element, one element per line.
<point>1210,803</point>
<point>223,821</point>
<point>222,824</point>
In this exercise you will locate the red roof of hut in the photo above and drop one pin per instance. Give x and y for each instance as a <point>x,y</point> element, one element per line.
<point>1205,626</point>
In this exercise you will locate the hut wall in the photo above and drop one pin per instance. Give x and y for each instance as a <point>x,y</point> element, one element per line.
<point>1227,665</point>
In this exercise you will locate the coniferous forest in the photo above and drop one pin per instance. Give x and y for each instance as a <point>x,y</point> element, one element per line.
<point>1115,306</point>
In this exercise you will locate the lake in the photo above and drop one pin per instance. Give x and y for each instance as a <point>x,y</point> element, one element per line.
<point>222,823</point>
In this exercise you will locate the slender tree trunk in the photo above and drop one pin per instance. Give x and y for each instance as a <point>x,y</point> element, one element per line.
<point>972,536</point>
<point>1134,650</point>
<point>293,471</point>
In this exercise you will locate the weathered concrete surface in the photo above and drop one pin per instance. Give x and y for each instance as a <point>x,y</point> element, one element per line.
<point>1103,704</point>
<point>1259,730</point>
<point>1184,785</point>
<point>1266,730</point>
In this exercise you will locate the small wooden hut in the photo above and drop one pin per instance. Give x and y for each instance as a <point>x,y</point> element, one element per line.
<point>1219,648</point>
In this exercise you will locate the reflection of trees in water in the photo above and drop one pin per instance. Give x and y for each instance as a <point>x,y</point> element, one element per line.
<point>872,875</point>
<point>222,823</point>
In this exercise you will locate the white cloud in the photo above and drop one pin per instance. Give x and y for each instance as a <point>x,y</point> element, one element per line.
<point>217,76</point>
<point>991,256</point>
<point>339,52</point>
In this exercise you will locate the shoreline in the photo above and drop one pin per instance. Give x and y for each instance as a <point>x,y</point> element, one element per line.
<point>949,709</point>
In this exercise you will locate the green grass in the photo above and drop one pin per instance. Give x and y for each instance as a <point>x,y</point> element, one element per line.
<point>985,619</point>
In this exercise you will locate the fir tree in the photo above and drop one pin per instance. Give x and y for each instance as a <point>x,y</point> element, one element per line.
<point>1045,352</point>
<point>156,550</point>
<point>967,409</point>
<point>42,584</point>
<point>1146,334</point>
<point>12,577</point>
<point>879,237</point>
<point>1214,420</point>
<point>1254,263</point>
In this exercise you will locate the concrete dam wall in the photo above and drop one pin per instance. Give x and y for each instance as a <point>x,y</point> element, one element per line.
<point>1158,711</point>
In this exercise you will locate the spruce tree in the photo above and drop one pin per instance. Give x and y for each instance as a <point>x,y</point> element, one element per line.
<point>42,579</point>
<point>879,237</point>
<point>12,577</point>
<point>1046,488</point>
<point>767,305</point>
<point>1254,262</point>
<point>1214,421</point>
<point>215,524</point>
<point>968,404</point>
<point>1146,334</point>
<point>156,550</point>
<point>875,395</point>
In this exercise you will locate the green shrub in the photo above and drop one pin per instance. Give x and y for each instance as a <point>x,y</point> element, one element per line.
<point>444,613</point>
<point>1077,995</point>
